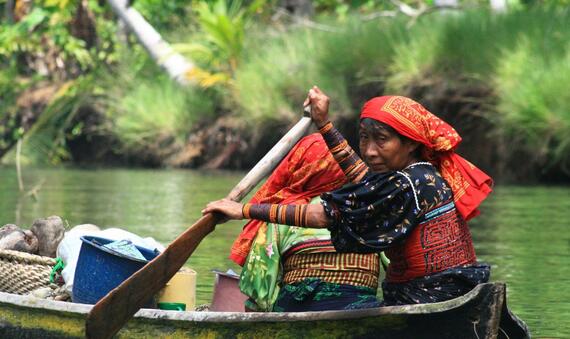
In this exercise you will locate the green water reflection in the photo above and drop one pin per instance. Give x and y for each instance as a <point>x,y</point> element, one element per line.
<point>522,232</point>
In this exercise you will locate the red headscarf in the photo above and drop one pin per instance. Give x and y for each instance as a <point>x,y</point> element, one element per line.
<point>470,185</point>
<point>307,171</point>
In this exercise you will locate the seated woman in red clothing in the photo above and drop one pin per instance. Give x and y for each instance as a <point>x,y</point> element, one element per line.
<point>291,269</point>
<point>410,197</point>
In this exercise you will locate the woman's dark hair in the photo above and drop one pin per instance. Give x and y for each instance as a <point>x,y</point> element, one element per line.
<point>374,125</point>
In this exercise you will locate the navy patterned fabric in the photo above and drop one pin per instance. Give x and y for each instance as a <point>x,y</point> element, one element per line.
<point>380,212</point>
<point>313,294</point>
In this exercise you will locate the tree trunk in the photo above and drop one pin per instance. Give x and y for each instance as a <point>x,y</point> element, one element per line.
<point>499,5</point>
<point>9,11</point>
<point>302,8</point>
<point>174,63</point>
<point>83,24</point>
<point>446,3</point>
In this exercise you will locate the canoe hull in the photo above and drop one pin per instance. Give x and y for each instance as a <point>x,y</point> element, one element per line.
<point>475,315</point>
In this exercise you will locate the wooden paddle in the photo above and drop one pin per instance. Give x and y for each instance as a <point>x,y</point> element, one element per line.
<point>110,314</point>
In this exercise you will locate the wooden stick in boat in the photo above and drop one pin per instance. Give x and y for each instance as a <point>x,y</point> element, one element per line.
<point>110,314</point>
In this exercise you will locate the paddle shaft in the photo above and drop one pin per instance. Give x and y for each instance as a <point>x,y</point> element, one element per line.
<point>110,314</point>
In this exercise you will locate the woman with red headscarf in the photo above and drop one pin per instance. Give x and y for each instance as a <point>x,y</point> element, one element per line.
<point>410,197</point>
<point>295,268</point>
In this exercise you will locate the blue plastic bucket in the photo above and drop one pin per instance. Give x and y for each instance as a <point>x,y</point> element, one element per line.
<point>99,269</point>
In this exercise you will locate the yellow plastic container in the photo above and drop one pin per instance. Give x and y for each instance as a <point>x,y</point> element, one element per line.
<point>180,289</point>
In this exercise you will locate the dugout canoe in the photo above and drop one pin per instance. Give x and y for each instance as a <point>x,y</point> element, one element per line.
<point>481,313</point>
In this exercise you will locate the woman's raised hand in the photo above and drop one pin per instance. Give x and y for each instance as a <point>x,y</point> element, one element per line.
<point>229,208</point>
<point>319,102</point>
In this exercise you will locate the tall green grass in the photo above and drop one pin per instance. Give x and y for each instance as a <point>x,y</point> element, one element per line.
<point>46,141</point>
<point>155,112</point>
<point>272,81</point>
<point>277,72</point>
<point>521,57</point>
<point>142,112</point>
<point>534,104</point>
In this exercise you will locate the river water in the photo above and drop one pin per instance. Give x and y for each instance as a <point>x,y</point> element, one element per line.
<point>523,232</point>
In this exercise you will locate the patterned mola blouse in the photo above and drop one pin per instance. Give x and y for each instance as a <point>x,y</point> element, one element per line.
<point>383,209</point>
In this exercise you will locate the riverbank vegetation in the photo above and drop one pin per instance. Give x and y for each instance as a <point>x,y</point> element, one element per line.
<point>91,95</point>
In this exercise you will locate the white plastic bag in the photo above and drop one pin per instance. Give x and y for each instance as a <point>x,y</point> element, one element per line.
<point>69,247</point>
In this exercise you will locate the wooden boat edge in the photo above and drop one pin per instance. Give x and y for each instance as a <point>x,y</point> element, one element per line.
<point>496,288</point>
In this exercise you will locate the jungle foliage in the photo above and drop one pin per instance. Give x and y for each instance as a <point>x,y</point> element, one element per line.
<point>255,60</point>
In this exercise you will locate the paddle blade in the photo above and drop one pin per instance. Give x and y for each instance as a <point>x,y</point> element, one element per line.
<point>115,309</point>
<point>108,316</point>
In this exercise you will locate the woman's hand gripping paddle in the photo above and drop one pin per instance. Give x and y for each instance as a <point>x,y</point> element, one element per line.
<point>118,306</point>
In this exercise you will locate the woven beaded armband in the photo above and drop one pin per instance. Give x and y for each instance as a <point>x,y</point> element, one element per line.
<point>350,163</point>
<point>294,215</point>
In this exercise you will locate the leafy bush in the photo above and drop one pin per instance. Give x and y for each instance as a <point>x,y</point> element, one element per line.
<point>46,142</point>
<point>273,82</point>
<point>533,104</point>
<point>218,42</point>
<point>151,111</point>
<point>167,15</point>
<point>45,34</point>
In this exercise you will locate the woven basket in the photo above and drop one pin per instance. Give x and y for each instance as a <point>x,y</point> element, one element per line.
<point>21,273</point>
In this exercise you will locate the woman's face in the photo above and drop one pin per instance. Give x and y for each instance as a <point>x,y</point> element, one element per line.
<point>383,150</point>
